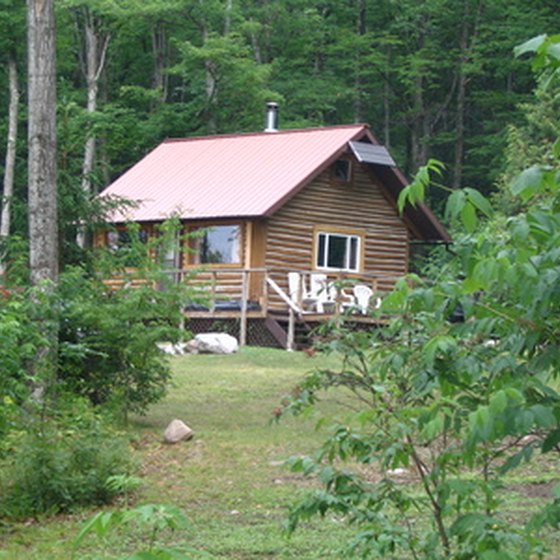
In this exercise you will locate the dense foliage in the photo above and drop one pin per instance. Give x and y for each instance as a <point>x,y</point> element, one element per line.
<point>60,448</point>
<point>64,463</point>
<point>433,78</point>
<point>460,387</point>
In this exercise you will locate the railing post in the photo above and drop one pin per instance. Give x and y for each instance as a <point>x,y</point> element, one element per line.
<point>244,298</point>
<point>265,292</point>
<point>214,280</point>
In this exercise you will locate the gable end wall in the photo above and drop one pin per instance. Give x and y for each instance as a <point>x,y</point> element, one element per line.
<point>360,205</point>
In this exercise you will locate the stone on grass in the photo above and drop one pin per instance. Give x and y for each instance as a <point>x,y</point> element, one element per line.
<point>177,431</point>
<point>213,343</point>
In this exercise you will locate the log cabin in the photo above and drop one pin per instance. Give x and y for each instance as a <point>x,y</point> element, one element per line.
<point>267,205</point>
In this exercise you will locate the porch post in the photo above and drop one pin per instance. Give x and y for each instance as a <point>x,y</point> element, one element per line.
<point>244,298</point>
<point>291,330</point>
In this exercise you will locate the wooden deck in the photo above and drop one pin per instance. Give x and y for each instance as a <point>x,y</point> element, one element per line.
<point>249,299</point>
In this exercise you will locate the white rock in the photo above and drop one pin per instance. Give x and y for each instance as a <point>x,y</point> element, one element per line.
<point>177,431</point>
<point>213,343</point>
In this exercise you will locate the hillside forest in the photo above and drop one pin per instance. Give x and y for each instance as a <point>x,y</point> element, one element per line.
<point>433,79</point>
<point>462,404</point>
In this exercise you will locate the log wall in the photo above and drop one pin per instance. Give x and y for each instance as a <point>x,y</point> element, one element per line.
<point>360,204</point>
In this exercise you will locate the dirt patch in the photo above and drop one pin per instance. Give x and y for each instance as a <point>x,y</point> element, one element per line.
<point>535,489</point>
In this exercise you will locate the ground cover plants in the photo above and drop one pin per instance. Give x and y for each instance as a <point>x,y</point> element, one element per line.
<point>461,384</point>
<point>229,481</point>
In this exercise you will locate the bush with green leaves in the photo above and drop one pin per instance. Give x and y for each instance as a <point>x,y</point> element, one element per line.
<point>153,520</point>
<point>458,405</point>
<point>63,462</point>
<point>108,338</point>
<point>20,338</point>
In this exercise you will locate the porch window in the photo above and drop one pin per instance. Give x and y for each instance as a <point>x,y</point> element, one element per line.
<point>218,245</point>
<point>128,244</point>
<point>338,251</point>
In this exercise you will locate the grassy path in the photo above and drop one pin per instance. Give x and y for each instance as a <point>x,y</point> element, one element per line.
<point>228,480</point>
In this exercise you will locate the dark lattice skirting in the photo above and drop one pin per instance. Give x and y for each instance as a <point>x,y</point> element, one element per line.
<point>257,332</point>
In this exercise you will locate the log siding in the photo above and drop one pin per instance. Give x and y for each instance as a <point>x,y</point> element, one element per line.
<point>360,204</point>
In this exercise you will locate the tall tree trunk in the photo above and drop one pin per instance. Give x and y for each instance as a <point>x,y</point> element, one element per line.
<point>42,171</point>
<point>461,95</point>
<point>96,44</point>
<point>418,147</point>
<point>95,51</point>
<point>10,156</point>
<point>387,102</point>
<point>159,49</point>
<point>466,47</point>
<point>358,82</point>
<point>227,18</point>
<point>42,187</point>
<point>211,89</point>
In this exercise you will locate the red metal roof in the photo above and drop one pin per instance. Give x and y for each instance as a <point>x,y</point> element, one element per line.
<point>228,176</point>
<point>245,175</point>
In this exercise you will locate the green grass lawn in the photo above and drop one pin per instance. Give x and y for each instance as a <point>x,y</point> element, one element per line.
<point>228,479</point>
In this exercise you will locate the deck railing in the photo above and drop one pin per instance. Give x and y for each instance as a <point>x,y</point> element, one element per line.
<point>255,292</point>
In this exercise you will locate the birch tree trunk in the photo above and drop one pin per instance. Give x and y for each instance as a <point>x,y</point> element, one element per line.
<point>95,51</point>
<point>387,101</point>
<point>10,156</point>
<point>42,170</point>
<point>461,95</point>
<point>159,49</point>
<point>358,81</point>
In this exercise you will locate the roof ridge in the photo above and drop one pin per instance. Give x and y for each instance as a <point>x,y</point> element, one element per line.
<point>262,133</point>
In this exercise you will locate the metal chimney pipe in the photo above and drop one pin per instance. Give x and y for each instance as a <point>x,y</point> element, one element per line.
<point>271,117</point>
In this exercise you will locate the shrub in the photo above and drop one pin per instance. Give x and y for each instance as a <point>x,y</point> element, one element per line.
<point>20,337</point>
<point>64,462</point>
<point>108,339</point>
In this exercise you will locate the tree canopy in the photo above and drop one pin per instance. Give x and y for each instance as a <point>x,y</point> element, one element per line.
<point>433,79</point>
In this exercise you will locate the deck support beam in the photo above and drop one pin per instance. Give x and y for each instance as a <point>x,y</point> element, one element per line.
<point>290,344</point>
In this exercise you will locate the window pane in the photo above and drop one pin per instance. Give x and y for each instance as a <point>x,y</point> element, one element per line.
<point>337,251</point>
<point>220,244</point>
<point>353,256</point>
<point>321,253</point>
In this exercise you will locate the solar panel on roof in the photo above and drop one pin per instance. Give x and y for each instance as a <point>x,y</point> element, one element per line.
<point>372,153</point>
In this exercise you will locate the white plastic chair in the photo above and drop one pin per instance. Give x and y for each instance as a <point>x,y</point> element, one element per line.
<point>298,292</point>
<point>363,294</point>
<point>320,290</point>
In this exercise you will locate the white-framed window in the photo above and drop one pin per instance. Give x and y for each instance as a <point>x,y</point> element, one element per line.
<point>220,244</point>
<point>338,251</point>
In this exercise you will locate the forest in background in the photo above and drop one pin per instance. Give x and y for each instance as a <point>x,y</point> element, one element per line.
<point>433,79</point>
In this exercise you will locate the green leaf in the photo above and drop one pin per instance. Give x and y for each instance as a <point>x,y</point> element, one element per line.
<point>455,203</point>
<point>403,198</point>
<point>479,201</point>
<point>498,402</point>
<point>551,441</point>
<point>556,148</point>
<point>532,45</point>
<point>468,217</point>
<point>99,524</point>
<point>544,417</point>
<point>528,182</point>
